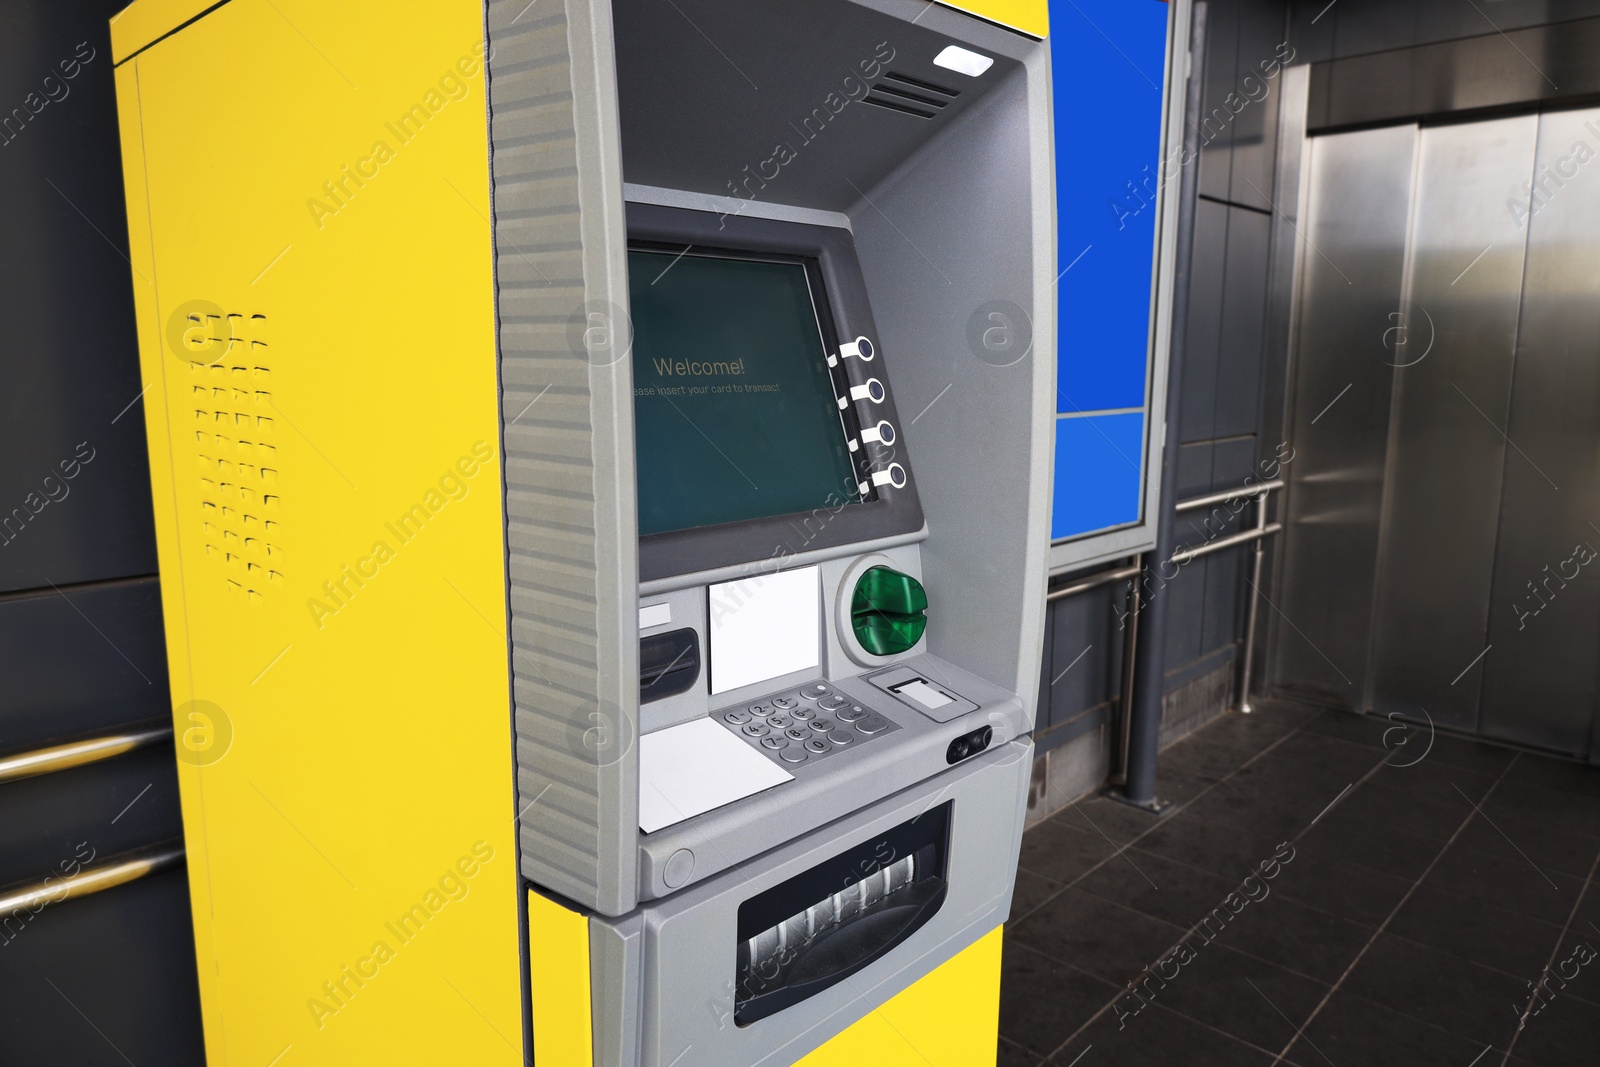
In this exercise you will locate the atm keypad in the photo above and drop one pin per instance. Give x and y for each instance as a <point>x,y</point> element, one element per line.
<point>806,725</point>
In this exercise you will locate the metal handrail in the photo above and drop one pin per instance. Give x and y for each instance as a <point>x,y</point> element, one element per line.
<point>95,880</point>
<point>77,753</point>
<point>1184,555</point>
<point>1093,582</point>
<point>1253,536</point>
<point>1231,494</point>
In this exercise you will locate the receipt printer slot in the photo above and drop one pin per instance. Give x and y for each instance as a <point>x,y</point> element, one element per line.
<point>926,694</point>
<point>823,925</point>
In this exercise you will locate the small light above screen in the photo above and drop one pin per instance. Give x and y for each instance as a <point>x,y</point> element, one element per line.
<point>962,61</point>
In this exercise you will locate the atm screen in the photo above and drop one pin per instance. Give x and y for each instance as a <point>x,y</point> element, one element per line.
<point>735,415</point>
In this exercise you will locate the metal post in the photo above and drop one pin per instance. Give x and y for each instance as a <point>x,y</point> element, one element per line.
<point>1245,706</point>
<point>1130,648</point>
<point>1143,700</point>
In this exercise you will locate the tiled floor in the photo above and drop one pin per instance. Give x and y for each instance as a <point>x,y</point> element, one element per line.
<point>1321,893</point>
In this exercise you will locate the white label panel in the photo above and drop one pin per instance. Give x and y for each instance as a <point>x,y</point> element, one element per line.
<point>689,769</point>
<point>764,627</point>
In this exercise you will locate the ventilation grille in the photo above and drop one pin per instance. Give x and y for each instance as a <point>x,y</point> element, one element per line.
<point>237,455</point>
<point>910,96</point>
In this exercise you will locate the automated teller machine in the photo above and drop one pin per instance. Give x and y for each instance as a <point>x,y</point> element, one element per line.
<point>714,650</point>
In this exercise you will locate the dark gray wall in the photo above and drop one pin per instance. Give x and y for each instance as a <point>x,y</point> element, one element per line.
<point>110,978</point>
<point>1358,27</point>
<point>1224,362</point>
<point>1082,675</point>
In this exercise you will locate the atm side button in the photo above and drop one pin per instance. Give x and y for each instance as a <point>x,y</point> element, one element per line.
<point>873,724</point>
<point>678,868</point>
<point>842,737</point>
<point>793,755</point>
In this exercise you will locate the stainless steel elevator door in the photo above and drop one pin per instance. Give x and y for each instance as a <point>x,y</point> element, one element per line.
<point>1447,424</point>
<point>1352,261</point>
<point>1441,510</point>
<point>1539,676</point>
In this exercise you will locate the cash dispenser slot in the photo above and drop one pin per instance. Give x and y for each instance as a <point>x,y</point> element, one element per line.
<point>807,934</point>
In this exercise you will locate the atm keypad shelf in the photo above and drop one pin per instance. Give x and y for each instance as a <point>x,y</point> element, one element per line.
<point>806,724</point>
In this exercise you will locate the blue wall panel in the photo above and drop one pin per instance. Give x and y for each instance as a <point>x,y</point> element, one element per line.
<point>1098,473</point>
<point>1108,62</point>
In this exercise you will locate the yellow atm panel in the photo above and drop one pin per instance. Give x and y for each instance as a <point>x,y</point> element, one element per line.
<point>322,412</point>
<point>588,635</point>
<point>1030,16</point>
